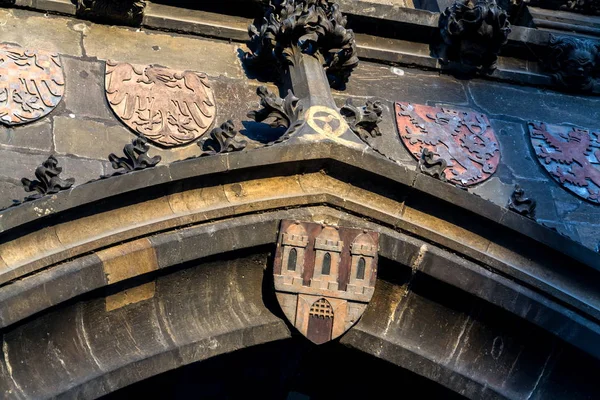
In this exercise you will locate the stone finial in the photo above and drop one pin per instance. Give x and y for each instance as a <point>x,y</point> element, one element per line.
<point>223,140</point>
<point>278,112</point>
<point>136,157</point>
<point>521,204</point>
<point>126,12</point>
<point>49,181</point>
<point>575,63</point>
<point>364,121</point>
<point>315,27</point>
<point>473,31</point>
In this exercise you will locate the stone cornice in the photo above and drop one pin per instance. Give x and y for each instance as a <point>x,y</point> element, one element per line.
<point>522,60</point>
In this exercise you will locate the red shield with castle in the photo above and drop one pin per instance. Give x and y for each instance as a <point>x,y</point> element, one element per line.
<point>324,276</point>
<point>463,142</point>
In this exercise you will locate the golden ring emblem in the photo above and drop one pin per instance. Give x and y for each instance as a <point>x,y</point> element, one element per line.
<point>326,121</point>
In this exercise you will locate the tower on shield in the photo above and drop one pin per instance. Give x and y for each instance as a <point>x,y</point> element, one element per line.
<point>324,276</point>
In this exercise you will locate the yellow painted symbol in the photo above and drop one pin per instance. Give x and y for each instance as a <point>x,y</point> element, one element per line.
<point>326,121</point>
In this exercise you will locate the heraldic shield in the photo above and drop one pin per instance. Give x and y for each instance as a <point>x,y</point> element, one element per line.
<point>324,276</point>
<point>168,107</point>
<point>32,84</point>
<point>461,143</point>
<point>571,156</point>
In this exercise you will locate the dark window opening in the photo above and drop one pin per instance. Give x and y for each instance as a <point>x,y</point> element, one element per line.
<point>326,270</point>
<point>360,270</point>
<point>292,258</point>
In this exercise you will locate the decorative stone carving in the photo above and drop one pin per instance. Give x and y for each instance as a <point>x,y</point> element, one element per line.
<point>582,6</point>
<point>223,140</point>
<point>126,12</point>
<point>324,277</point>
<point>48,180</point>
<point>464,140</point>
<point>278,112</point>
<point>166,106</point>
<point>136,157</point>
<point>521,204</point>
<point>364,121</point>
<point>575,63</point>
<point>32,84</point>
<point>571,156</point>
<point>433,166</point>
<point>473,33</point>
<point>591,7</point>
<point>315,27</point>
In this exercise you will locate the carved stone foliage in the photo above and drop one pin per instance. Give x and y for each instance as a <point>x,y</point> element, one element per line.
<point>473,33</point>
<point>464,140</point>
<point>521,204</point>
<point>315,27</point>
<point>582,6</point>
<point>136,157</point>
<point>223,139</point>
<point>364,121</point>
<point>591,7</point>
<point>433,166</point>
<point>278,112</point>
<point>127,12</point>
<point>324,277</point>
<point>575,63</point>
<point>168,107</point>
<point>48,180</point>
<point>571,156</point>
<point>32,84</point>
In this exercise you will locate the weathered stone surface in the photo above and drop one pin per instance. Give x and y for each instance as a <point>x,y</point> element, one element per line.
<point>534,104</point>
<point>179,52</point>
<point>516,151</point>
<point>195,314</point>
<point>37,136</point>
<point>19,165</point>
<point>54,34</point>
<point>396,84</point>
<point>82,170</point>
<point>494,190</point>
<point>84,96</point>
<point>90,139</point>
<point>11,191</point>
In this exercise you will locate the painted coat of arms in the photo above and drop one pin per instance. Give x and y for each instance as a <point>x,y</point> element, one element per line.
<point>168,107</point>
<point>463,143</point>
<point>571,156</point>
<point>32,84</point>
<point>324,277</point>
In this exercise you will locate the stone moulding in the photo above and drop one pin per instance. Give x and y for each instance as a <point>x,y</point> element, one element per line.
<point>292,27</point>
<point>126,12</point>
<point>168,107</point>
<point>464,140</point>
<point>571,156</point>
<point>32,84</point>
<point>473,33</point>
<point>49,180</point>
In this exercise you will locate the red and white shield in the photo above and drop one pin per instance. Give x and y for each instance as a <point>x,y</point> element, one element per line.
<point>465,140</point>
<point>324,276</point>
